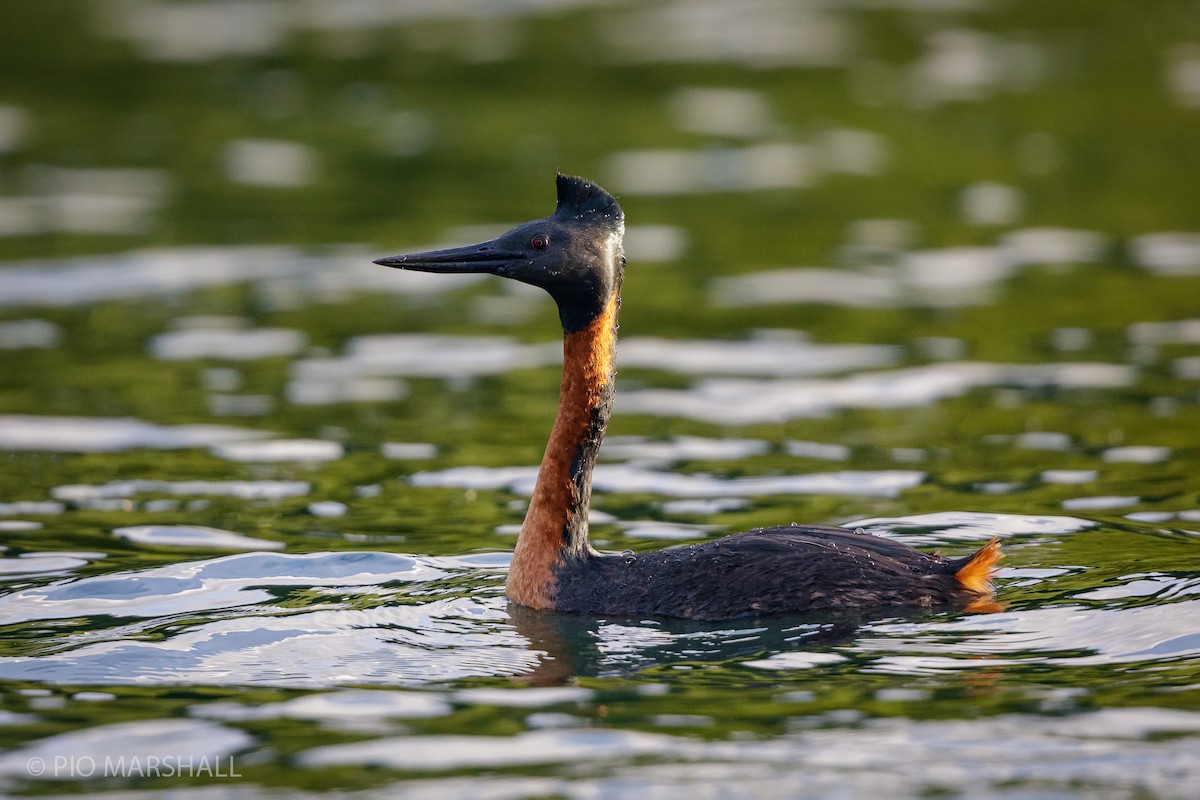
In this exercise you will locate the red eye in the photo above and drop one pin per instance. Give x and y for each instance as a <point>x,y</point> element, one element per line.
<point>540,242</point>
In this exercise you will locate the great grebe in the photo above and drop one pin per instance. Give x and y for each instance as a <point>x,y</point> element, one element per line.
<point>577,255</point>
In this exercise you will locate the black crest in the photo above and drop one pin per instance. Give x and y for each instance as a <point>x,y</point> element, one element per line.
<point>582,200</point>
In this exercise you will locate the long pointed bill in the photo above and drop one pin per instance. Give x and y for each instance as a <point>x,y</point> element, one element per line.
<point>483,257</point>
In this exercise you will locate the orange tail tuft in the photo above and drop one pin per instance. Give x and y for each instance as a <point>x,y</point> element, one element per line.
<point>976,575</point>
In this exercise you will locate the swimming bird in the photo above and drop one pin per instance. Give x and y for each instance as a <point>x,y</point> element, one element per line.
<point>577,255</point>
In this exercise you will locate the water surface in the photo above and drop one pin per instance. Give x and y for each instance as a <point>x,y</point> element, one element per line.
<point>926,269</point>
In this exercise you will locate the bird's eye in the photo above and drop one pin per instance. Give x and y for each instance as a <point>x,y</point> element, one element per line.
<point>539,242</point>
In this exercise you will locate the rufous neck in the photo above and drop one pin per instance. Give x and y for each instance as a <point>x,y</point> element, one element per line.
<point>556,525</point>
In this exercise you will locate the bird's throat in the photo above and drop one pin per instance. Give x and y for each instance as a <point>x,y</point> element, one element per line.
<point>556,526</point>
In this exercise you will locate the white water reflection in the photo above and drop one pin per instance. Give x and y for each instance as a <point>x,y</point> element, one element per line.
<point>1069,476</point>
<point>795,660</point>
<point>1043,440</point>
<point>108,201</point>
<point>83,493</point>
<point>198,32</point>
<point>111,434</point>
<point>37,507</point>
<point>408,451</point>
<point>772,353</point>
<point>375,361</point>
<point>1168,253</point>
<point>1055,246</point>
<point>1150,516</point>
<point>625,478</point>
<point>285,276</point>
<point>1135,454</point>
<point>15,124</point>
<point>326,390</point>
<point>968,526</point>
<point>991,203</point>
<point>230,622</point>
<point>345,707</point>
<point>654,243</point>
<point>22,334</point>
<point>1071,340</point>
<point>18,525</point>
<point>851,151</point>
<point>778,165</point>
<point>1187,368</point>
<point>1100,502</point>
<point>137,274</point>
<point>961,64</point>
<point>1068,635</point>
<point>1054,754</point>
<point>306,450</point>
<point>43,563</point>
<point>1183,74</point>
<point>812,285</point>
<point>818,450</point>
<point>743,401</point>
<point>954,276</point>
<point>1145,749</point>
<point>193,536</point>
<point>274,163</point>
<point>941,278</point>
<point>664,531</point>
<point>946,277</point>
<point>163,741</point>
<point>320,647</point>
<point>721,111</point>
<point>531,697</point>
<point>223,582</point>
<point>1182,331</point>
<point>427,355</point>
<point>757,33</point>
<point>755,167</point>
<point>227,624</point>
<point>231,345</point>
<point>328,508</point>
<point>1145,585</point>
<point>240,405</point>
<point>640,451</point>
<point>438,753</point>
<point>704,506</point>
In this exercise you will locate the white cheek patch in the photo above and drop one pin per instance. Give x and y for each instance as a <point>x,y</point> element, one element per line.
<point>614,245</point>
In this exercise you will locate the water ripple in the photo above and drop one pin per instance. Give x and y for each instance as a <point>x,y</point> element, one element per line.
<point>744,401</point>
<point>619,478</point>
<point>161,740</point>
<point>110,434</point>
<point>193,536</point>
<point>1072,636</point>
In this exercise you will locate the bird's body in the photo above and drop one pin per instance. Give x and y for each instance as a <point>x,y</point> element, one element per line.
<point>788,569</point>
<point>577,256</point>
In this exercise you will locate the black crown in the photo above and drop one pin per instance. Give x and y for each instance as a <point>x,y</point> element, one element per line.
<point>583,200</point>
